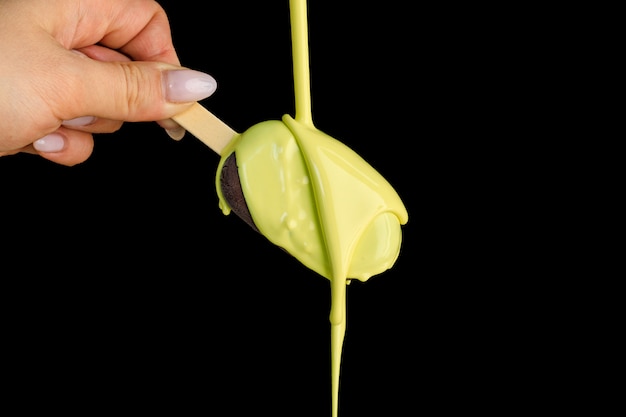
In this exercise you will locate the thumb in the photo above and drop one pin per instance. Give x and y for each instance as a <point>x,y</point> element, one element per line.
<point>137,91</point>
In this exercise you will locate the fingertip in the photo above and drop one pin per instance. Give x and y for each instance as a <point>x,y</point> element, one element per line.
<point>79,121</point>
<point>65,146</point>
<point>173,129</point>
<point>52,143</point>
<point>176,134</point>
<point>185,85</point>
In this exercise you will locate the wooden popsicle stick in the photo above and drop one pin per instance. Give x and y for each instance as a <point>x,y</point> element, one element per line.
<point>205,126</point>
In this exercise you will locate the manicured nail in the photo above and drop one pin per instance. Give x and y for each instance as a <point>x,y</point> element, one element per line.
<point>53,142</point>
<point>77,52</point>
<point>184,86</point>
<point>176,134</point>
<point>79,121</point>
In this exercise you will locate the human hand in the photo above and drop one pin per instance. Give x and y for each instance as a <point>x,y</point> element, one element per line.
<point>71,68</point>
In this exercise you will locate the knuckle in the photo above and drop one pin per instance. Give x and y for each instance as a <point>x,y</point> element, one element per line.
<point>134,79</point>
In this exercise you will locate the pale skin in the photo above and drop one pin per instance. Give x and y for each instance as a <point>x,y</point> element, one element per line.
<point>72,68</point>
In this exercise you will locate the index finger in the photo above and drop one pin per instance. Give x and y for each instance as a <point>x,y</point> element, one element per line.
<point>138,28</point>
<point>143,37</point>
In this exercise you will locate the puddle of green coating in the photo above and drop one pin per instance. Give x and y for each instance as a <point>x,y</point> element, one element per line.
<point>316,198</point>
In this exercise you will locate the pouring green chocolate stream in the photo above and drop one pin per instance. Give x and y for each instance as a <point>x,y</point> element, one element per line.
<point>317,199</point>
<point>311,195</point>
<point>306,192</point>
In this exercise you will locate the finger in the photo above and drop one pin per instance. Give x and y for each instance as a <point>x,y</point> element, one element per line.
<point>90,123</point>
<point>138,28</point>
<point>100,53</point>
<point>129,91</point>
<point>141,31</point>
<point>11,152</point>
<point>93,124</point>
<point>173,129</point>
<point>64,146</point>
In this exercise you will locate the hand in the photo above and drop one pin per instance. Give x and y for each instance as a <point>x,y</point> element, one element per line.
<point>71,68</point>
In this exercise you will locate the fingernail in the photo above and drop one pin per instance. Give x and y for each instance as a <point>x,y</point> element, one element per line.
<point>77,52</point>
<point>53,142</point>
<point>79,121</point>
<point>169,124</point>
<point>188,85</point>
<point>176,134</point>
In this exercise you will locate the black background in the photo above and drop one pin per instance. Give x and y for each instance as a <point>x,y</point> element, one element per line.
<point>124,287</point>
<point>123,277</point>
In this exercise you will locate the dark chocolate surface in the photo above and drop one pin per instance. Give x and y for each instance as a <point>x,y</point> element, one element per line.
<point>231,188</point>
